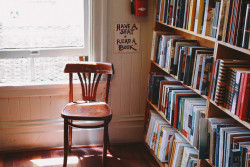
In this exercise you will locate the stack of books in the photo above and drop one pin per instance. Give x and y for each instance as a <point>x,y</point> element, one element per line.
<point>168,145</point>
<point>231,86</point>
<point>224,142</point>
<point>226,20</point>
<point>190,63</point>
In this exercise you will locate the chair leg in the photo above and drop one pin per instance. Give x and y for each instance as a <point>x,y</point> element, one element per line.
<point>70,136</point>
<point>105,142</point>
<point>66,142</point>
<point>108,142</point>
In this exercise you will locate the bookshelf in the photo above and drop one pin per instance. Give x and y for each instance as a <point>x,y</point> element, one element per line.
<point>222,50</point>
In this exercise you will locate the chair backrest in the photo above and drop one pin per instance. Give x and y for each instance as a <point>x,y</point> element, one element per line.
<point>89,74</point>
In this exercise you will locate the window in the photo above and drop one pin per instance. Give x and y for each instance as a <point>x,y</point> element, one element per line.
<point>37,38</point>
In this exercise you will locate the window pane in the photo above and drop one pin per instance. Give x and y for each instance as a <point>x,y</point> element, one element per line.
<point>38,69</point>
<point>15,70</point>
<point>41,23</point>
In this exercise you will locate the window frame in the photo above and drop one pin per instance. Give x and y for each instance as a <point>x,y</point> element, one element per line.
<point>51,52</point>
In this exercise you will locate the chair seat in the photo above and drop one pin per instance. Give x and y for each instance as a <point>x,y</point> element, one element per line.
<point>87,111</point>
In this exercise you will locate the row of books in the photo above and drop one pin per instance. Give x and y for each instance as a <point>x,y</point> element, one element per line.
<point>226,20</point>
<point>224,142</point>
<point>168,145</point>
<point>231,86</point>
<point>183,109</point>
<point>181,106</point>
<point>190,63</point>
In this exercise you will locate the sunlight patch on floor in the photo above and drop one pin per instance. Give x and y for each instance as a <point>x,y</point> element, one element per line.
<point>54,161</point>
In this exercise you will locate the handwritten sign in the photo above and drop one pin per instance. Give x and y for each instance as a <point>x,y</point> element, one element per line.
<point>127,38</point>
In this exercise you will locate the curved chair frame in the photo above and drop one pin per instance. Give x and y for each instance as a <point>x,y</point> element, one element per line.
<point>89,85</point>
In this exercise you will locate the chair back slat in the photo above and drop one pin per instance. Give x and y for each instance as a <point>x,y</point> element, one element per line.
<point>95,85</point>
<point>70,87</point>
<point>89,95</point>
<point>82,84</point>
<point>92,86</point>
<point>89,75</point>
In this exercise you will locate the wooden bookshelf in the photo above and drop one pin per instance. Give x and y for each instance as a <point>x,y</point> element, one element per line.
<point>174,76</point>
<point>164,117</point>
<point>222,50</point>
<point>161,164</point>
<point>244,123</point>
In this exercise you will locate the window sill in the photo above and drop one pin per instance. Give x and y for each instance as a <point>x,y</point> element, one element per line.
<point>29,89</point>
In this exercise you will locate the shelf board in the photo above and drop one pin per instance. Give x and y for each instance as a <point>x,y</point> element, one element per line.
<point>245,123</point>
<point>162,164</point>
<point>164,117</point>
<point>174,76</point>
<point>208,161</point>
<point>190,32</point>
<point>243,50</point>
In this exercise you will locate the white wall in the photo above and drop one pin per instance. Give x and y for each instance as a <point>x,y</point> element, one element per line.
<point>30,116</point>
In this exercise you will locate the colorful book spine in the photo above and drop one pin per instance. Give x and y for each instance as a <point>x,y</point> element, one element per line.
<point>215,19</point>
<point>245,102</point>
<point>205,75</point>
<point>246,32</point>
<point>221,83</point>
<point>191,15</point>
<point>236,92</point>
<point>229,89</point>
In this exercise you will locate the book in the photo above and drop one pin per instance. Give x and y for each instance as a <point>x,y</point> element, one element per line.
<point>224,6</point>
<point>240,23</point>
<point>205,75</point>
<point>155,44</point>
<point>199,16</point>
<point>244,113</point>
<point>190,64</point>
<point>198,112</point>
<point>162,91</point>
<point>155,86</point>
<point>208,18</point>
<point>203,139</point>
<point>179,44</point>
<point>246,32</point>
<point>191,17</point>
<point>153,116</point>
<point>187,153</point>
<point>215,19</point>
<point>236,88</point>
<point>222,77</point>
<point>198,61</point>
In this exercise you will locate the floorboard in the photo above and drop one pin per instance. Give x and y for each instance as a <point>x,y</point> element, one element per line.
<point>126,155</point>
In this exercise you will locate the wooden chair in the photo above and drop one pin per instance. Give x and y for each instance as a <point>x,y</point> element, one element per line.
<point>89,109</point>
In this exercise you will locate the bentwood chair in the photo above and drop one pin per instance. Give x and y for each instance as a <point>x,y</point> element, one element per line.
<point>88,109</point>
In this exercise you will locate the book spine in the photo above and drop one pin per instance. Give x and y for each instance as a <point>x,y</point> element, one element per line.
<point>229,89</point>
<point>221,19</point>
<point>231,21</point>
<point>240,94</point>
<point>187,7</point>
<point>237,21</point>
<point>245,110</point>
<point>246,33</point>
<point>215,20</point>
<point>236,92</point>
<point>200,16</point>
<point>221,83</point>
<point>158,10</point>
<point>170,12</point>
<point>191,15</point>
<point>205,17</point>
<point>196,15</point>
<point>226,19</point>
<point>241,22</point>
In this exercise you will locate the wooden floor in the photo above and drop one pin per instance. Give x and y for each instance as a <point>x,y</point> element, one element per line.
<point>128,155</point>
